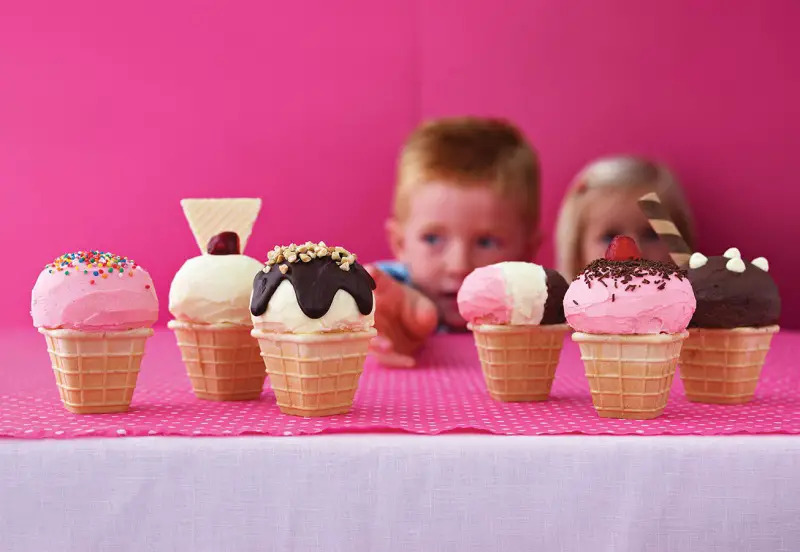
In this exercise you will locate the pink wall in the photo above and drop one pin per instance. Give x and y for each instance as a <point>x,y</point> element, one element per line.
<point>111,112</point>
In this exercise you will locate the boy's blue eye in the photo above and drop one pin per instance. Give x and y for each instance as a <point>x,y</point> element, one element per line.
<point>431,238</point>
<point>488,242</point>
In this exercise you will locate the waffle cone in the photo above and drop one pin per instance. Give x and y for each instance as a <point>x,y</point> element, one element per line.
<point>222,360</point>
<point>96,372</point>
<point>519,362</point>
<point>314,374</point>
<point>630,375</point>
<point>723,366</point>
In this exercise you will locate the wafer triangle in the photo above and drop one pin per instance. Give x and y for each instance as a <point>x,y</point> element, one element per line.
<point>209,217</point>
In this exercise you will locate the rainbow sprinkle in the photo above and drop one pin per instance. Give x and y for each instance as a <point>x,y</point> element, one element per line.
<point>94,261</point>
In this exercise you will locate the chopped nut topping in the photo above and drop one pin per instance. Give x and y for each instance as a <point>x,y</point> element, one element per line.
<point>283,268</point>
<point>307,252</point>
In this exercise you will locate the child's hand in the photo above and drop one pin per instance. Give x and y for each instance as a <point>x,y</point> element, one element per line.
<point>404,318</point>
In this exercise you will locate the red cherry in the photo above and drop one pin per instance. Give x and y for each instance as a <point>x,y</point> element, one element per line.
<point>224,243</point>
<point>622,248</point>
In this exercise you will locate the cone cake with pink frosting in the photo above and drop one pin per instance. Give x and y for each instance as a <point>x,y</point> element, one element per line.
<point>95,310</point>
<point>630,317</point>
<point>515,311</point>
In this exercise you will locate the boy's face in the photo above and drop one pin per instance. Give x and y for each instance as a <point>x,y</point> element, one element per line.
<point>614,212</point>
<point>450,231</point>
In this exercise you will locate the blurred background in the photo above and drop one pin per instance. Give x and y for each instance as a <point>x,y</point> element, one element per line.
<point>111,112</point>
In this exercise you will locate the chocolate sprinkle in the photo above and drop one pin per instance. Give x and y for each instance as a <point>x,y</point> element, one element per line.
<point>613,297</point>
<point>625,271</point>
<point>574,301</point>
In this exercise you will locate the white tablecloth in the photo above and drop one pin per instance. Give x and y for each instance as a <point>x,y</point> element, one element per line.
<point>402,492</point>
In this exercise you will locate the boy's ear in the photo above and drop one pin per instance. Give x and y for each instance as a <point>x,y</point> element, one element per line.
<point>394,235</point>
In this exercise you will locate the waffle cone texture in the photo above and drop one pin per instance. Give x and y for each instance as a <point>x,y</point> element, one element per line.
<point>723,366</point>
<point>96,372</point>
<point>519,362</point>
<point>314,374</point>
<point>222,360</point>
<point>630,375</point>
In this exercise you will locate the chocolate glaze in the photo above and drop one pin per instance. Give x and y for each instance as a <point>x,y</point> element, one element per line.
<point>727,299</point>
<point>315,284</point>
<point>554,306</point>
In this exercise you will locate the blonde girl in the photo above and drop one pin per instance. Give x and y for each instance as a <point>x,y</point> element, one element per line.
<point>601,203</point>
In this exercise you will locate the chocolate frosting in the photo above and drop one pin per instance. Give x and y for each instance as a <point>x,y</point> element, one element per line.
<point>315,284</point>
<point>554,306</point>
<point>727,299</point>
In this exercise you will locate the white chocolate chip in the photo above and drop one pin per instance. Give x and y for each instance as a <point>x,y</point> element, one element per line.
<point>732,253</point>
<point>735,264</point>
<point>761,263</point>
<point>697,260</point>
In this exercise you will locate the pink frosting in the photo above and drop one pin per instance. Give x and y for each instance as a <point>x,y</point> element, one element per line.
<point>644,310</point>
<point>483,299</point>
<point>92,303</point>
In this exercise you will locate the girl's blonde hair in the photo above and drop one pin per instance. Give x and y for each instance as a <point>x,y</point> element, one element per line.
<point>618,172</point>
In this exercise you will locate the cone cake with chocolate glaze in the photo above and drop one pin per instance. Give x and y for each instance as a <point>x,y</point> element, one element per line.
<point>630,317</point>
<point>210,297</point>
<point>313,310</point>
<point>516,315</point>
<point>738,307</point>
<point>95,310</point>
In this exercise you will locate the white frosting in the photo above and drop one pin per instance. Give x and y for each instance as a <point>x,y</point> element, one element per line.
<point>214,289</point>
<point>732,253</point>
<point>735,264</point>
<point>697,260</point>
<point>526,286</point>
<point>762,263</point>
<point>284,315</point>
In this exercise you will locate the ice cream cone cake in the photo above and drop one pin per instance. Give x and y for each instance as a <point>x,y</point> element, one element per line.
<point>516,315</point>
<point>95,310</point>
<point>738,307</point>
<point>209,298</point>
<point>313,311</point>
<point>630,317</point>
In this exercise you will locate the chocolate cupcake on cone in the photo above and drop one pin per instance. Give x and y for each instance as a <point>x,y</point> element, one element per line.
<point>738,307</point>
<point>313,310</point>
<point>630,317</point>
<point>516,314</point>
<point>209,298</point>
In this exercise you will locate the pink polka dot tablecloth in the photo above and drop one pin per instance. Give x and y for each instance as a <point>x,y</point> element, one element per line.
<point>444,393</point>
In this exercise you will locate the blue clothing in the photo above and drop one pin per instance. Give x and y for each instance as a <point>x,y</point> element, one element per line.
<point>397,270</point>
